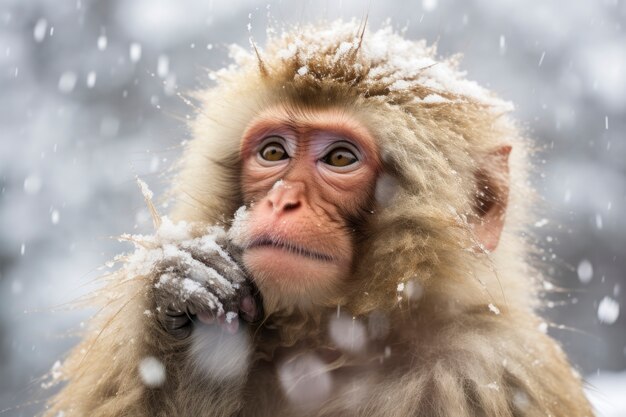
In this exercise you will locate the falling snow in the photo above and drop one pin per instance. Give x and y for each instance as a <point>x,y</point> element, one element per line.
<point>67,82</point>
<point>102,135</point>
<point>585,271</point>
<point>608,310</point>
<point>163,66</point>
<point>135,52</point>
<point>55,216</point>
<point>152,372</point>
<point>429,5</point>
<point>348,333</point>
<point>102,42</point>
<point>39,32</point>
<point>32,184</point>
<point>91,79</point>
<point>304,380</point>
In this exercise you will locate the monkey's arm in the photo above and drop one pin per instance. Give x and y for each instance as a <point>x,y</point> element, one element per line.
<point>137,358</point>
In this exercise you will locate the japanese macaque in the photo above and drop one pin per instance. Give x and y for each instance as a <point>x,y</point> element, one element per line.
<point>347,240</point>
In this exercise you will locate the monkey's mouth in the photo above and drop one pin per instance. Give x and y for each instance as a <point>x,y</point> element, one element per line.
<point>292,248</point>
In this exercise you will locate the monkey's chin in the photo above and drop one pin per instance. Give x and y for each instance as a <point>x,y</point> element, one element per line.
<point>288,279</point>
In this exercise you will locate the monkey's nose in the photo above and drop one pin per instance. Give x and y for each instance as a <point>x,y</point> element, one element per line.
<point>286,196</point>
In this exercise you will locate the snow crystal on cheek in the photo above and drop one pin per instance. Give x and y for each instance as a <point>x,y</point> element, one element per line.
<point>152,372</point>
<point>305,380</point>
<point>278,184</point>
<point>347,333</point>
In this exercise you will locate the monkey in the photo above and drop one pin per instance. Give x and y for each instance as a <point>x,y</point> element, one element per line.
<point>349,238</point>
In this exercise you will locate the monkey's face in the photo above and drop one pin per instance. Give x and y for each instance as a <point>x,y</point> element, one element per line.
<point>306,177</point>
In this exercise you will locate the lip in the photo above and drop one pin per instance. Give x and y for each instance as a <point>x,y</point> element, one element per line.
<point>290,247</point>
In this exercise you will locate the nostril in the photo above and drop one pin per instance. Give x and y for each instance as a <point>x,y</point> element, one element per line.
<point>291,206</point>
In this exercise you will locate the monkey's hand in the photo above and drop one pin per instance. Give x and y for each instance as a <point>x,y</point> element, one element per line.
<point>195,279</point>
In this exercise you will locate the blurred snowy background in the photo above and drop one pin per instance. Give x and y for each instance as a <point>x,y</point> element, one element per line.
<point>88,101</point>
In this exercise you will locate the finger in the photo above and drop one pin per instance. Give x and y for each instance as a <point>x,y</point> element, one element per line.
<point>248,308</point>
<point>178,326</point>
<point>182,333</point>
<point>206,317</point>
<point>223,271</point>
<point>231,327</point>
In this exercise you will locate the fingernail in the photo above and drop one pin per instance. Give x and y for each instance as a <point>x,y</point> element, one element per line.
<point>248,305</point>
<point>206,317</point>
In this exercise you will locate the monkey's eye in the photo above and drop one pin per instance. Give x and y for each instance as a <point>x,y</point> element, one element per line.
<point>340,157</point>
<point>273,152</point>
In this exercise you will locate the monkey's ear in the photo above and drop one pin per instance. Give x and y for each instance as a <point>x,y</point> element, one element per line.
<point>492,195</point>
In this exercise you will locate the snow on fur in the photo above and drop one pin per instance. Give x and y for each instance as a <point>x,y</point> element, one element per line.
<point>391,60</point>
<point>170,249</point>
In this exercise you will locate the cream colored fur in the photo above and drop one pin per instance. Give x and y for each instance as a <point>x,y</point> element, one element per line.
<point>451,355</point>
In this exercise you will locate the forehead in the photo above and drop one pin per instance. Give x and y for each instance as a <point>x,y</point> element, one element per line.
<point>302,120</point>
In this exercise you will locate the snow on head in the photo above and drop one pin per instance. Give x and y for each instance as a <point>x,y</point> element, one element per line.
<point>383,58</point>
<point>152,371</point>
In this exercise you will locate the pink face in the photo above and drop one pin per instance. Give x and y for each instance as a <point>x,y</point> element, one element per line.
<point>303,177</point>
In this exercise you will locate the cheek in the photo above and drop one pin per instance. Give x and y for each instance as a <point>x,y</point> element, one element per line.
<point>350,192</point>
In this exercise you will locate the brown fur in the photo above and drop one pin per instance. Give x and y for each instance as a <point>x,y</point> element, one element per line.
<point>450,355</point>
